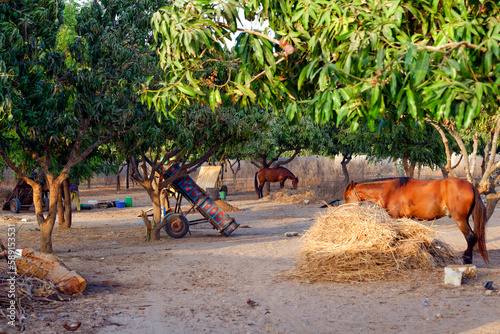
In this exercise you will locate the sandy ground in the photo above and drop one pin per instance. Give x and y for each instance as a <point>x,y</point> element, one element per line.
<point>204,281</point>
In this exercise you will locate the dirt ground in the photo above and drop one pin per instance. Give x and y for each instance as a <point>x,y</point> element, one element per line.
<point>206,282</point>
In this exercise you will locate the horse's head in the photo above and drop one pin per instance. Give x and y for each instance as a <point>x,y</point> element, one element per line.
<point>350,194</point>
<point>295,182</point>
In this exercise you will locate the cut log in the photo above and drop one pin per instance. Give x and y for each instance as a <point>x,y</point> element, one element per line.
<point>50,268</point>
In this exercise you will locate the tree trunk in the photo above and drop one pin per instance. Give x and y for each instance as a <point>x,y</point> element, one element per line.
<point>46,237</point>
<point>267,189</point>
<point>49,267</point>
<point>345,160</point>
<point>60,206</point>
<point>46,224</point>
<point>408,167</point>
<point>67,206</point>
<point>128,172</point>
<point>444,172</point>
<point>164,199</point>
<point>155,235</point>
<point>153,230</point>
<point>118,183</point>
<point>491,203</point>
<point>412,169</point>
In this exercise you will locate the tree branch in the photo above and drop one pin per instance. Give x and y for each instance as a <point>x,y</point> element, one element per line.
<point>452,45</point>
<point>284,162</point>
<point>256,33</point>
<point>452,130</point>
<point>446,146</point>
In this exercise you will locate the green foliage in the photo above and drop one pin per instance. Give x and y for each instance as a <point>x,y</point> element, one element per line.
<point>67,33</point>
<point>347,60</point>
<point>421,145</point>
<point>32,92</point>
<point>276,137</point>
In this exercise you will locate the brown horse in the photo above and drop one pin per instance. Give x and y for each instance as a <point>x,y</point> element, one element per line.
<point>280,174</point>
<point>426,200</point>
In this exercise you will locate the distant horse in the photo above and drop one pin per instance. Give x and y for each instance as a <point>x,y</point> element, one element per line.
<point>280,174</point>
<point>426,200</point>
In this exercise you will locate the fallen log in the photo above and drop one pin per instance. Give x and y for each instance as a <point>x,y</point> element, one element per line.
<point>50,268</point>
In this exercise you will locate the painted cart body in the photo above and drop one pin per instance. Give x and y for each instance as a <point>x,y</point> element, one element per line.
<point>220,220</point>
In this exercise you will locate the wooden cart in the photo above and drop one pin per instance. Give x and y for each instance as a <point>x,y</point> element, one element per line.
<point>178,225</point>
<point>22,198</point>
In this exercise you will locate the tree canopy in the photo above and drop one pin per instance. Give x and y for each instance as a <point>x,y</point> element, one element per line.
<point>346,60</point>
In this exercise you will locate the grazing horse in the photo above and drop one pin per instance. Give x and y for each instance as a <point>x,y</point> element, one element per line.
<point>273,175</point>
<point>426,200</point>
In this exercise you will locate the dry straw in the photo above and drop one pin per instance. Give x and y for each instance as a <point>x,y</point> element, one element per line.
<point>226,207</point>
<point>296,196</point>
<point>353,243</point>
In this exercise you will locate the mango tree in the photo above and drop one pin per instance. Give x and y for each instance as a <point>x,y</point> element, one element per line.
<point>189,140</point>
<point>352,61</point>
<point>36,98</point>
<point>58,114</point>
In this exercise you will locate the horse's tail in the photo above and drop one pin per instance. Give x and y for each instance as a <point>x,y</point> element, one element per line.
<point>256,184</point>
<point>480,225</point>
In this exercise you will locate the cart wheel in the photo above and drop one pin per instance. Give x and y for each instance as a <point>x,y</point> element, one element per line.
<point>15,205</point>
<point>45,204</point>
<point>177,225</point>
<point>224,189</point>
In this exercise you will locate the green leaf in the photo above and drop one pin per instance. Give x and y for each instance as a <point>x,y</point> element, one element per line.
<point>392,9</point>
<point>488,61</point>
<point>380,58</point>
<point>421,67</point>
<point>336,99</point>
<point>375,96</point>
<point>343,36</point>
<point>303,76</point>
<point>246,91</point>
<point>324,76</point>
<point>186,90</point>
<point>218,98</point>
<point>212,100</point>
<point>454,64</point>
<point>394,85</point>
<point>412,105</point>
<point>470,112</point>
<point>291,110</point>
<point>258,51</point>
<point>269,74</point>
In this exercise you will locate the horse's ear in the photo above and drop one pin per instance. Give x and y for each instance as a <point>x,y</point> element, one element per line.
<point>351,186</point>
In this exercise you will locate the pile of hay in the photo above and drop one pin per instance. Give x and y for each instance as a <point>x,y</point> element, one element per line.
<point>363,243</point>
<point>226,207</point>
<point>295,196</point>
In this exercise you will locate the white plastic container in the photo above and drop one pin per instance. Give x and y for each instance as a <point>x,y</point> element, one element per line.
<point>452,277</point>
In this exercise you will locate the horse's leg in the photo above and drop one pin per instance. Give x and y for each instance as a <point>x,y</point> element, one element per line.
<point>256,184</point>
<point>282,183</point>
<point>470,237</point>
<point>261,186</point>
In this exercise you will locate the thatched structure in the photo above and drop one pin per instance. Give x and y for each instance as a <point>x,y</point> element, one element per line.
<point>363,243</point>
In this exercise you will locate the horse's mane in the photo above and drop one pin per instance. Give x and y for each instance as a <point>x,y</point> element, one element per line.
<point>287,170</point>
<point>402,180</point>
